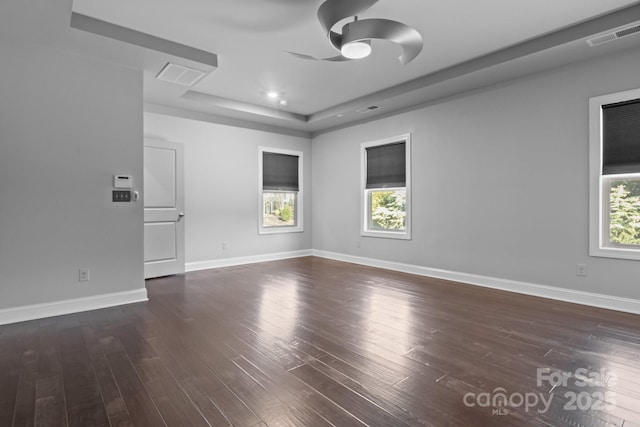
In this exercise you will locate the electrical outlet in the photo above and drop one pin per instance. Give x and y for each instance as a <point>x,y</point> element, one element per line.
<point>358,244</point>
<point>581,270</point>
<point>83,275</point>
<point>225,245</point>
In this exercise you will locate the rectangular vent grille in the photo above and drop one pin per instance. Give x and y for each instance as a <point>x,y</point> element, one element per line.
<point>367,109</point>
<point>614,35</point>
<point>179,74</point>
<point>628,31</point>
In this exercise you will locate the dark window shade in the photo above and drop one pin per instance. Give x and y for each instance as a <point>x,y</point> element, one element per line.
<point>279,172</point>
<point>621,137</point>
<point>387,166</point>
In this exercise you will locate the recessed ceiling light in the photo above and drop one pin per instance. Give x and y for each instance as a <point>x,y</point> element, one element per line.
<point>273,95</point>
<point>283,102</point>
<point>340,115</point>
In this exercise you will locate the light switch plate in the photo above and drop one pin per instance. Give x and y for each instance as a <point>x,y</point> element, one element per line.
<point>121,196</point>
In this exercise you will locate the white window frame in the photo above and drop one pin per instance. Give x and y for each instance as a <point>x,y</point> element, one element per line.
<point>599,192</point>
<point>364,203</point>
<point>298,227</point>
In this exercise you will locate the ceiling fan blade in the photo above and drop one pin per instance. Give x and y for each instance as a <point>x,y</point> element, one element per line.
<point>408,38</point>
<point>302,56</point>
<point>336,40</point>
<point>338,58</point>
<point>333,11</point>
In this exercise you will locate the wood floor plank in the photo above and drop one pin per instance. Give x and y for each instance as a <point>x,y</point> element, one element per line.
<point>288,388</point>
<point>267,406</point>
<point>115,406</point>
<point>219,403</point>
<point>82,393</point>
<point>173,403</point>
<point>387,365</point>
<point>140,405</point>
<point>19,343</point>
<point>24,413</point>
<point>50,405</point>
<point>362,409</point>
<point>315,342</point>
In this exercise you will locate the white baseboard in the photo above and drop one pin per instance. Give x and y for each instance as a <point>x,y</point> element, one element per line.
<point>229,262</point>
<point>76,305</point>
<point>38,311</point>
<point>627,305</point>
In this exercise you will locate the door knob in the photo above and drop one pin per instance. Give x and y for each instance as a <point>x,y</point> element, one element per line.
<point>180,215</point>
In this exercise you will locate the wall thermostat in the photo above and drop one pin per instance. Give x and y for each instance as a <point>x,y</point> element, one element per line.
<point>122,181</point>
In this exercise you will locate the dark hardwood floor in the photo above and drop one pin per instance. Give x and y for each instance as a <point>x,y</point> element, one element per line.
<point>313,342</point>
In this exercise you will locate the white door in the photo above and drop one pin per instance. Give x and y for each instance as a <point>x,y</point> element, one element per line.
<point>163,208</point>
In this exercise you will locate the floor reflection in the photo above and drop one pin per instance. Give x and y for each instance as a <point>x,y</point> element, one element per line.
<point>279,308</point>
<point>388,319</point>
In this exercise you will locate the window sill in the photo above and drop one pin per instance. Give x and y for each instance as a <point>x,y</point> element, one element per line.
<point>386,235</point>
<point>618,253</point>
<point>280,230</point>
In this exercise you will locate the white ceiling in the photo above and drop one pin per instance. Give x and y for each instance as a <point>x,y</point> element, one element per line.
<point>250,37</point>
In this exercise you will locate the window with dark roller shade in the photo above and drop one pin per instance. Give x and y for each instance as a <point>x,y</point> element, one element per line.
<point>279,172</point>
<point>614,172</point>
<point>386,188</point>
<point>621,137</point>
<point>386,166</point>
<point>280,184</point>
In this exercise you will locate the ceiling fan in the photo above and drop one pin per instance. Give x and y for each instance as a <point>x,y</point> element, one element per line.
<point>354,40</point>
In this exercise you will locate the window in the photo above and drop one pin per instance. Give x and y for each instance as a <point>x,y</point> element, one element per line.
<point>615,175</point>
<point>386,191</point>
<point>280,191</point>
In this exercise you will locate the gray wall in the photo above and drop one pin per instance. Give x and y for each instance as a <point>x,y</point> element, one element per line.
<point>221,194</point>
<point>62,137</point>
<point>500,182</point>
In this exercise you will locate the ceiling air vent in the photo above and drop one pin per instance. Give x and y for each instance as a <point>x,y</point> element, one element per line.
<point>367,109</point>
<point>179,74</point>
<point>614,35</point>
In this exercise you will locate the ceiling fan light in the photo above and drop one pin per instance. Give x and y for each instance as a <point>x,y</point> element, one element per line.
<point>356,49</point>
